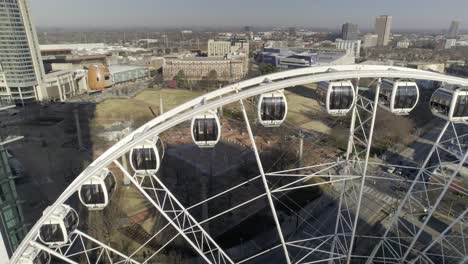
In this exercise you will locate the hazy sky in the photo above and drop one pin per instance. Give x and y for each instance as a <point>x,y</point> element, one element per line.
<point>407,14</point>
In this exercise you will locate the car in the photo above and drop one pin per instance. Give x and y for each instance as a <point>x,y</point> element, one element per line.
<point>391,169</point>
<point>424,215</point>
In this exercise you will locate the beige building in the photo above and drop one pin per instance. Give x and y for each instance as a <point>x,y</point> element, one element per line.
<point>222,48</point>
<point>196,68</point>
<point>383,26</point>
<point>62,85</point>
<point>369,40</point>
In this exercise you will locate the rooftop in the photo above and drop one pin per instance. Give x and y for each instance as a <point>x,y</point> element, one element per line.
<point>123,68</point>
<point>190,58</point>
<point>59,73</point>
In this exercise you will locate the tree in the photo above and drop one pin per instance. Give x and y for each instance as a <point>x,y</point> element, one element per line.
<point>267,68</point>
<point>212,79</point>
<point>209,81</point>
<point>181,79</point>
<point>212,76</point>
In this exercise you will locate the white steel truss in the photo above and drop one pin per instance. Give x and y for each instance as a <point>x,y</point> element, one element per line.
<point>420,199</point>
<point>178,216</point>
<point>83,248</point>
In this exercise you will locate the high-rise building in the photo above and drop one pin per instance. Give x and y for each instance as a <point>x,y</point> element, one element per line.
<point>21,68</point>
<point>292,31</point>
<point>369,40</point>
<point>454,29</point>
<point>349,31</point>
<point>383,26</point>
<point>247,29</point>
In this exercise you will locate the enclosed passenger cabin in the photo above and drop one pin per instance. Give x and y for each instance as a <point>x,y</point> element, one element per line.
<point>398,97</point>
<point>206,129</point>
<point>57,228</point>
<point>451,105</point>
<point>96,192</point>
<point>272,109</point>
<point>336,98</point>
<point>147,157</point>
<point>32,255</point>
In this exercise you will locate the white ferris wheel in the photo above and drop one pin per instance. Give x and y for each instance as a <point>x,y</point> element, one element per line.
<point>363,209</point>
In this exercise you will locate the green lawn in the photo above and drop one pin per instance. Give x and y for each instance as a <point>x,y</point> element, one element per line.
<point>304,111</point>
<point>138,108</point>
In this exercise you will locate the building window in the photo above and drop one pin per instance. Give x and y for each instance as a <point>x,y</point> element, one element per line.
<point>5,192</point>
<point>10,217</point>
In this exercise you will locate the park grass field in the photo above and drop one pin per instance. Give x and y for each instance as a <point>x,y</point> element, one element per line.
<point>138,108</point>
<point>304,111</point>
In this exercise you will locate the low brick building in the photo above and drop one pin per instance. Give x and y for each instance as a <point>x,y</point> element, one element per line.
<point>196,68</point>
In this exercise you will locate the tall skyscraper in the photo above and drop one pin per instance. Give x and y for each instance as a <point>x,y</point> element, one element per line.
<point>349,31</point>
<point>292,31</point>
<point>383,26</point>
<point>454,29</point>
<point>21,68</point>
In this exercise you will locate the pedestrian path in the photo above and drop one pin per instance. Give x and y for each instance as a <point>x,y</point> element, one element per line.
<point>381,196</point>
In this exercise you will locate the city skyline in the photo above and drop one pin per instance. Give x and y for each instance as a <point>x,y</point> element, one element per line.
<point>205,13</point>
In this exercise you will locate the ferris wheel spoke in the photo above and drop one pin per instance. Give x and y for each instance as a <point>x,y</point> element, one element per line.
<point>286,189</point>
<point>360,141</point>
<point>180,213</point>
<point>265,184</point>
<point>54,253</point>
<point>311,250</point>
<point>418,193</point>
<point>197,237</point>
<point>309,176</point>
<point>306,168</point>
<point>433,207</point>
<point>460,219</point>
<point>83,245</point>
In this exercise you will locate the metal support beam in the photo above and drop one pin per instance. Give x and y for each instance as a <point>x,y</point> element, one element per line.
<point>441,236</point>
<point>52,252</point>
<point>363,179</point>
<point>265,184</point>
<point>434,207</point>
<point>349,150</point>
<point>187,225</point>
<point>397,214</point>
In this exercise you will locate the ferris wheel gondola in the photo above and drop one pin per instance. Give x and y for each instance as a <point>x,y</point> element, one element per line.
<point>451,105</point>
<point>336,98</point>
<point>34,255</point>
<point>398,97</point>
<point>57,228</point>
<point>206,129</point>
<point>147,157</point>
<point>272,109</point>
<point>96,192</point>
